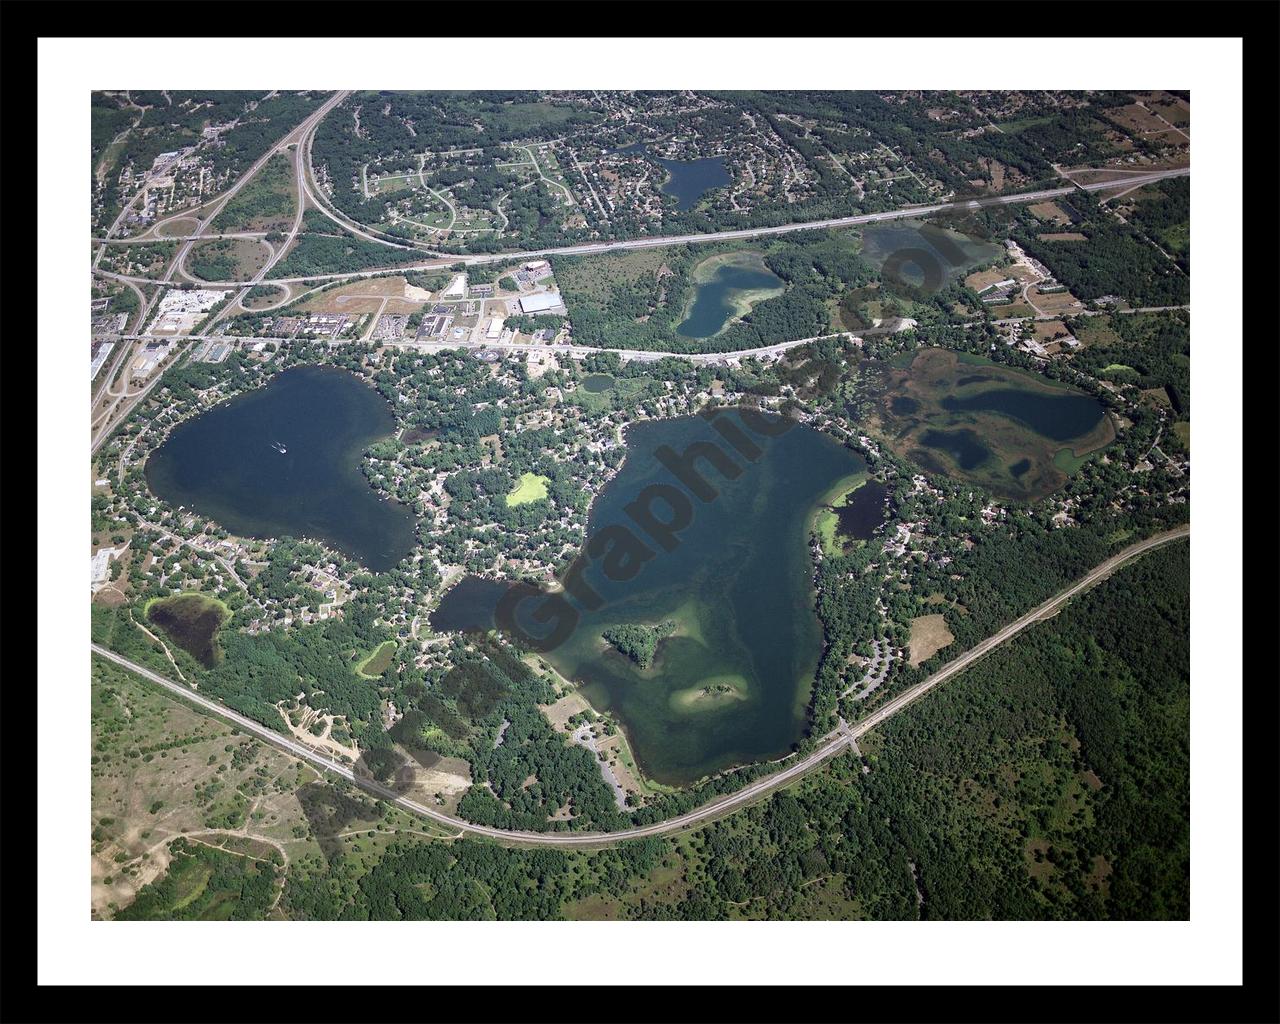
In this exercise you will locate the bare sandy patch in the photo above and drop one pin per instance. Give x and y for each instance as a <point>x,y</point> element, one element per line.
<point>929,634</point>
<point>325,741</point>
<point>1049,211</point>
<point>559,713</point>
<point>986,278</point>
<point>1055,303</point>
<point>1050,330</point>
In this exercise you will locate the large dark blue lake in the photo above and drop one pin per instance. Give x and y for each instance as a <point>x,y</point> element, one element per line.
<point>732,684</point>
<point>224,464</point>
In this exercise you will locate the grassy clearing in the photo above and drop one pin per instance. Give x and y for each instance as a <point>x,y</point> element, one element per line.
<point>929,635</point>
<point>378,662</point>
<point>532,487</point>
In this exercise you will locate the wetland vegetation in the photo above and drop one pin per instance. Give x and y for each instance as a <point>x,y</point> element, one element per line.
<point>192,622</point>
<point>1013,433</point>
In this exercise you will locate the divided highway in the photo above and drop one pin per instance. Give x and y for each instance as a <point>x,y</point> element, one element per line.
<point>832,744</point>
<point>720,236</point>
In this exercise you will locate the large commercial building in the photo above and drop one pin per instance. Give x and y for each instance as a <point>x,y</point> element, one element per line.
<point>540,303</point>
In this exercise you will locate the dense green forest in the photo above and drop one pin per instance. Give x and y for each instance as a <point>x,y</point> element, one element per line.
<point>613,308</point>
<point>639,643</point>
<point>206,884</point>
<point>1149,351</point>
<point>337,254</point>
<point>1116,259</point>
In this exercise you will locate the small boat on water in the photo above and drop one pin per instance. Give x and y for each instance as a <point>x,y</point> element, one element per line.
<point>279,447</point>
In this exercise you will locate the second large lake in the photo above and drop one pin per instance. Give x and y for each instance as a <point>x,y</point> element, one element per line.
<point>732,684</point>
<point>226,464</point>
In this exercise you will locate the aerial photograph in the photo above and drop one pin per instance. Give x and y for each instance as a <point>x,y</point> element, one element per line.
<point>638,505</point>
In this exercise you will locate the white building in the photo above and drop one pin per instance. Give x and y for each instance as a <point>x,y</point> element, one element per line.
<point>181,308</point>
<point>494,329</point>
<point>100,567</point>
<point>457,288</point>
<point>540,302</point>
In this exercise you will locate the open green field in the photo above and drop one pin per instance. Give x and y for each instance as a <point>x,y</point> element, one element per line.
<point>378,662</point>
<point>266,203</point>
<point>597,279</point>
<point>532,487</point>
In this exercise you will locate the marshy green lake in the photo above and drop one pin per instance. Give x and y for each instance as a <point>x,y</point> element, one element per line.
<point>1015,433</point>
<point>732,684</point>
<point>192,622</point>
<point>726,287</point>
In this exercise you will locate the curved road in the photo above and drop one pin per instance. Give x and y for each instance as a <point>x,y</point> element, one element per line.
<point>832,744</point>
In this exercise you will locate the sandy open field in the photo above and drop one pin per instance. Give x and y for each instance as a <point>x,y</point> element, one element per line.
<point>1049,211</point>
<point>1055,303</point>
<point>929,634</point>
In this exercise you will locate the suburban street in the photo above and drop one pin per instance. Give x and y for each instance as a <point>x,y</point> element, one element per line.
<point>845,736</point>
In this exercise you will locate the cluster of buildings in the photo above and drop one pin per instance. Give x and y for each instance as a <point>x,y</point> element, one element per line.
<point>180,309</point>
<point>390,327</point>
<point>152,355</point>
<point>323,325</point>
<point>435,325</point>
<point>213,351</point>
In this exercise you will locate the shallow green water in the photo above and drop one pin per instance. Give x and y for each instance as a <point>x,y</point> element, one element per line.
<point>597,383</point>
<point>738,584</point>
<point>222,463</point>
<point>713,304</point>
<point>922,254</point>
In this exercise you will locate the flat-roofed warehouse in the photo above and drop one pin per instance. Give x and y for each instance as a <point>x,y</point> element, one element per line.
<point>539,303</point>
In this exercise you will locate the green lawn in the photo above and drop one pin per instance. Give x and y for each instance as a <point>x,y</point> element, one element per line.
<point>531,487</point>
<point>378,662</point>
